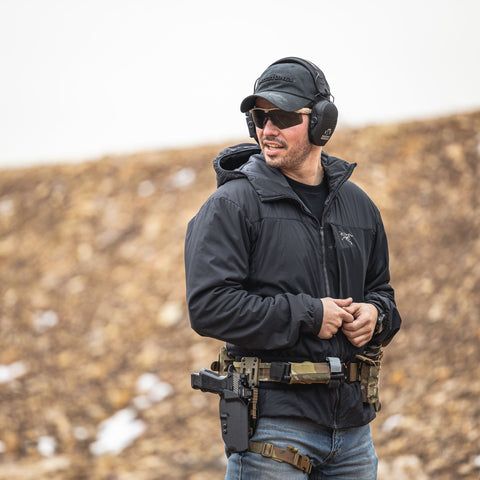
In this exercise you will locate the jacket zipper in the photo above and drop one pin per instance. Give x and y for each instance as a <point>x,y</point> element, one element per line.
<point>328,202</point>
<point>322,246</point>
<point>328,290</point>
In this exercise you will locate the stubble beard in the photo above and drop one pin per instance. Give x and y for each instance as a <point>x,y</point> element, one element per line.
<point>290,159</point>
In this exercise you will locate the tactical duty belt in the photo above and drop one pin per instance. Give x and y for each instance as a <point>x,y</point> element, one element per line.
<point>330,372</point>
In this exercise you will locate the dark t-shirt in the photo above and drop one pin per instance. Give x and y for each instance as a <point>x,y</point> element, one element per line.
<point>313,196</point>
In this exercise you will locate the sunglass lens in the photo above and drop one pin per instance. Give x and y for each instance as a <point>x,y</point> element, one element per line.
<point>286,119</point>
<point>259,118</point>
<point>279,118</point>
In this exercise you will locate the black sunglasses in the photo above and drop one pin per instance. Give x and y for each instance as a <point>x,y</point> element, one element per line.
<point>280,118</point>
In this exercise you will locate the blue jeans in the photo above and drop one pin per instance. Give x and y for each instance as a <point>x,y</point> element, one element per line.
<point>346,454</point>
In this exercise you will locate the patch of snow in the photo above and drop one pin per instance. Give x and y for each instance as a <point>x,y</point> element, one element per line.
<point>392,422</point>
<point>152,388</point>
<point>45,320</point>
<point>12,371</point>
<point>46,446</point>
<point>160,391</point>
<point>7,207</point>
<point>146,381</point>
<point>183,178</point>
<point>146,189</point>
<point>117,432</point>
<point>142,402</point>
<point>170,314</point>
<point>80,433</point>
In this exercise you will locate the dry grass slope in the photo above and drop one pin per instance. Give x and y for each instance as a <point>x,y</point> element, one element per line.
<point>92,298</point>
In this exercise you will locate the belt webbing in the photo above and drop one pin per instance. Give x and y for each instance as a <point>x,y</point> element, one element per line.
<point>291,372</point>
<point>289,455</point>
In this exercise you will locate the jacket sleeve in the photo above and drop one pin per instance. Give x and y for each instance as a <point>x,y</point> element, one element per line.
<point>378,290</point>
<point>220,305</point>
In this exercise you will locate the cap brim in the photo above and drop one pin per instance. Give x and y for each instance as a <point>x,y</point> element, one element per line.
<point>284,101</point>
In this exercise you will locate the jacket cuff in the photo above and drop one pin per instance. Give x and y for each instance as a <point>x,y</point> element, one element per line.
<point>317,317</point>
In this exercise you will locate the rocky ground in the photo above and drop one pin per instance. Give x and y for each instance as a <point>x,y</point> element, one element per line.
<point>96,350</point>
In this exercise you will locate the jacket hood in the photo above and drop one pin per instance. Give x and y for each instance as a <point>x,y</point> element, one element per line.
<point>229,160</point>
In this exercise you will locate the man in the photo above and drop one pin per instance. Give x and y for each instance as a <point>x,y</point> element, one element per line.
<point>287,262</point>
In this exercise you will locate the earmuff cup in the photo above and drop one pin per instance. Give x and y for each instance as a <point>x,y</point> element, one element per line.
<point>251,127</point>
<point>323,121</point>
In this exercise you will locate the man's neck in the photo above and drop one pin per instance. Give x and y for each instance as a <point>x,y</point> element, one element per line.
<point>310,172</point>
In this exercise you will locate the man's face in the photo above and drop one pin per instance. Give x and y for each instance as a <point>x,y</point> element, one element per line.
<point>285,149</point>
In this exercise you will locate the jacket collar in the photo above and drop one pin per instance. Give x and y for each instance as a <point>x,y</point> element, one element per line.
<point>246,160</point>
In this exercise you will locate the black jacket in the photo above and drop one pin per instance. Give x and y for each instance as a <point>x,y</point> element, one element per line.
<point>255,274</point>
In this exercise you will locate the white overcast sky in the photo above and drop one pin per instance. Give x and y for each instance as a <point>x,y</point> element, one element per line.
<point>84,78</point>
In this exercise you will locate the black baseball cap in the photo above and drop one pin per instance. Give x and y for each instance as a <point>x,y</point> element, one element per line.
<point>289,86</point>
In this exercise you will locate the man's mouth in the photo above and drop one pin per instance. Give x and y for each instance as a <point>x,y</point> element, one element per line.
<point>270,146</point>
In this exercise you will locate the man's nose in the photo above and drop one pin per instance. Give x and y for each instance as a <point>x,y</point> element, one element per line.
<point>270,128</point>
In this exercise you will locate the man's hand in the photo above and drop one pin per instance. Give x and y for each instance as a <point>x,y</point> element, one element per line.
<point>335,315</point>
<point>359,330</point>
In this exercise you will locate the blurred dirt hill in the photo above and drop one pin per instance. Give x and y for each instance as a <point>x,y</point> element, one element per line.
<point>96,350</point>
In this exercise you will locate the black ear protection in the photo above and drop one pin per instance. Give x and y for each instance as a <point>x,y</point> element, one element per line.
<point>251,127</point>
<point>323,118</point>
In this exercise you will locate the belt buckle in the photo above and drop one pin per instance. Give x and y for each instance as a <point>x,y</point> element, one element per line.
<point>267,450</point>
<point>337,375</point>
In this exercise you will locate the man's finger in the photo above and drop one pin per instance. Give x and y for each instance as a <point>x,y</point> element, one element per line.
<point>343,302</point>
<point>348,318</point>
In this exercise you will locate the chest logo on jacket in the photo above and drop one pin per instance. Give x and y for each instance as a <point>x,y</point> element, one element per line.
<point>346,237</point>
